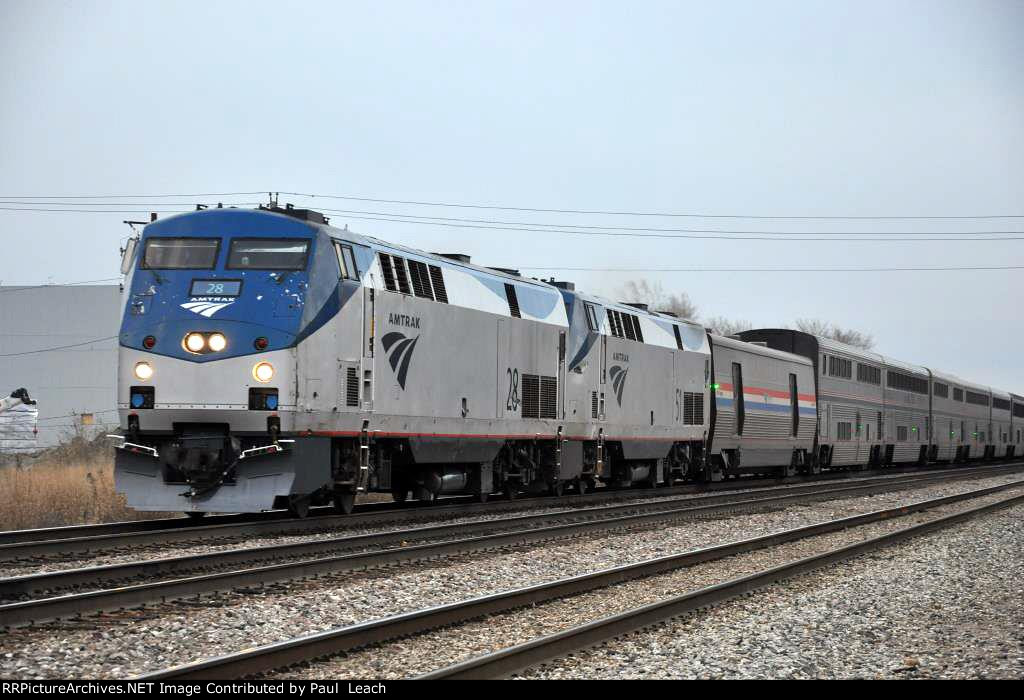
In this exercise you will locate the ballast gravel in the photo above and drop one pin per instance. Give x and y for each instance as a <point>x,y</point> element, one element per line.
<point>133,553</point>
<point>947,605</point>
<point>424,518</point>
<point>422,653</point>
<point>134,642</point>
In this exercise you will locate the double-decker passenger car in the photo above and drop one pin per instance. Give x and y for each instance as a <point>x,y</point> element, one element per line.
<point>907,412</point>
<point>1017,424</point>
<point>875,410</point>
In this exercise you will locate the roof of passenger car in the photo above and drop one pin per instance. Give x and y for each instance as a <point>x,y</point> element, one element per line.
<point>756,349</point>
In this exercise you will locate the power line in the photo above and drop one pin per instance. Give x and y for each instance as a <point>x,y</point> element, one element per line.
<point>92,412</point>
<point>133,196</point>
<point>771,269</point>
<point>598,227</point>
<point>14,288</point>
<point>75,415</point>
<point>630,233</point>
<point>128,204</point>
<point>694,215</point>
<point>605,212</point>
<point>58,347</point>
<point>190,207</point>
<point>688,236</point>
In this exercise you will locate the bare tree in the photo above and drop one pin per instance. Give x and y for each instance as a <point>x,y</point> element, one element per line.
<point>657,299</point>
<point>849,336</point>
<point>727,326</point>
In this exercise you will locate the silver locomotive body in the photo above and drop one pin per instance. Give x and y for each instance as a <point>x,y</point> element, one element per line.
<point>269,360</point>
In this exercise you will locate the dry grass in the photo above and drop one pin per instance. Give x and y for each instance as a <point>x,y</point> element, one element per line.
<point>68,485</point>
<point>72,484</point>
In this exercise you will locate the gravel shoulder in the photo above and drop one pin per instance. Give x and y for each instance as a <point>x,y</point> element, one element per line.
<point>134,642</point>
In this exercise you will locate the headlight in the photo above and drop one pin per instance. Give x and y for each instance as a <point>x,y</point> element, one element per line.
<point>195,342</point>
<point>143,370</point>
<point>263,372</point>
<point>217,342</point>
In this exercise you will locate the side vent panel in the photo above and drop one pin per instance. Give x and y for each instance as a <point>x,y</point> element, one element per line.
<point>403,279</point>
<point>626,321</point>
<point>420,279</point>
<point>530,384</point>
<point>440,294</point>
<point>593,404</point>
<point>352,387</point>
<point>513,300</point>
<point>693,408</point>
<point>636,329</point>
<point>387,271</point>
<point>548,397</point>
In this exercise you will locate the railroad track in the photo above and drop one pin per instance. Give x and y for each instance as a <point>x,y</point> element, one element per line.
<point>468,538</point>
<point>66,542</point>
<point>281,655</point>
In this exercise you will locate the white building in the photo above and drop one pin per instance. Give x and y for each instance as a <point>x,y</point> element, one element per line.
<point>60,343</point>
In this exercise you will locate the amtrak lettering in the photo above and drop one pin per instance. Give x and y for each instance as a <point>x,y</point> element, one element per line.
<point>620,357</point>
<point>207,306</point>
<point>404,321</point>
<point>399,350</point>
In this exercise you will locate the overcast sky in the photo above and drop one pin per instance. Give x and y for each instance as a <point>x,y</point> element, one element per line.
<point>767,108</point>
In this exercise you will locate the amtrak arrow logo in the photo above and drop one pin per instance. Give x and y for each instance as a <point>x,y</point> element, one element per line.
<point>618,375</point>
<point>206,308</point>
<point>399,350</point>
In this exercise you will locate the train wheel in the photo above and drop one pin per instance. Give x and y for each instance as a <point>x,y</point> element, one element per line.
<point>581,486</point>
<point>557,489</point>
<point>399,496</point>
<point>511,491</point>
<point>344,502</point>
<point>482,497</point>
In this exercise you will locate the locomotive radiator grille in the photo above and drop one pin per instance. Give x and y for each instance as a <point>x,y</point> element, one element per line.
<point>548,397</point>
<point>530,384</point>
<point>540,396</point>
<point>693,408</point>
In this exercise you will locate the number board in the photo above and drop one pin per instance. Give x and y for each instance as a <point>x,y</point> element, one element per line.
<point>219,288</point>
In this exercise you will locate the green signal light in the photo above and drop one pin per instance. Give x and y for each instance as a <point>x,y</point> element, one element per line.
<point>715,386</point>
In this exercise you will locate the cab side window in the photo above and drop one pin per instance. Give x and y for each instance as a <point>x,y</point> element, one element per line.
<point>346,261</point>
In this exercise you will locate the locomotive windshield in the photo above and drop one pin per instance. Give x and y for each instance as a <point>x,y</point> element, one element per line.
<point>180,253</point>
<point>268,254</point>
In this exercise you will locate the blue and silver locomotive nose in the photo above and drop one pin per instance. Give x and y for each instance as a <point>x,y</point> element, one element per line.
<point>215,305</point>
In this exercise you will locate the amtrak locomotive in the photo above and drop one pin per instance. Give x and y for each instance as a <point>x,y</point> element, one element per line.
<point>268,360</point>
